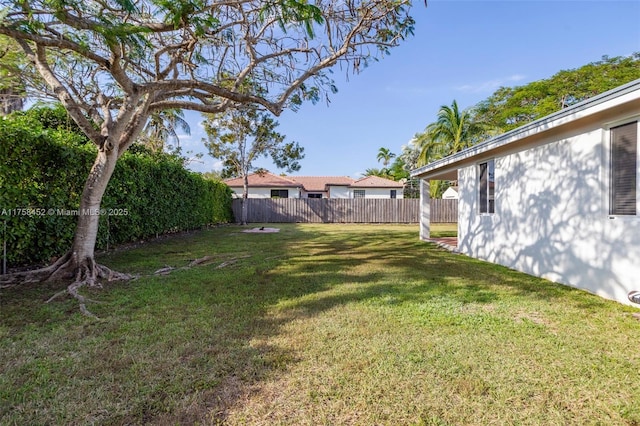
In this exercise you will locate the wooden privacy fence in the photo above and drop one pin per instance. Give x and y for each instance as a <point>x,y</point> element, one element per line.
<point>341,210</point>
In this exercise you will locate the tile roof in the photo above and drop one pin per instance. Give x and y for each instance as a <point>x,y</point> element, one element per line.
<point>264,180</point>
<point>319,183</point>
<point>312,183</point>
<point>376,182</point>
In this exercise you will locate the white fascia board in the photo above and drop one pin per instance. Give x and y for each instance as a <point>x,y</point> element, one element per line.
<point>594,105</point>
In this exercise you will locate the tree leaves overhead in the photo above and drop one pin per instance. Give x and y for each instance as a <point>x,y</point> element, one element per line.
<point>511,107</point>
<point>197,54</point>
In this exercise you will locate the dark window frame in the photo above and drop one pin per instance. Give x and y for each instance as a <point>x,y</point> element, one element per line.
<point>359,193</point>
<point>487,187</point>
<point>279,193</point>
<point>393,193</point>
<point>623,169</point>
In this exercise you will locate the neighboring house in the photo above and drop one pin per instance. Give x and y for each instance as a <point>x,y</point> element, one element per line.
<point>324,186</point>
<point>556,198</point>
<point>375,187</point>
<point>450,194</point>
<point>268,185</point>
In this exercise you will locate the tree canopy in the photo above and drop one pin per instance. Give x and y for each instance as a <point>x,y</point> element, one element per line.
<point>511,107</point>
<point>111,62</point>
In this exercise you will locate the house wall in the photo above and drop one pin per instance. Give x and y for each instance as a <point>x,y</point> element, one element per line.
<point>264,192</point>
<point>377,192</point>
<point>336,191</point>
<point>551,216</point>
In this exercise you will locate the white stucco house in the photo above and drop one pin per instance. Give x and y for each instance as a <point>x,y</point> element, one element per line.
<point>556,198</point>
<point>269,185</point>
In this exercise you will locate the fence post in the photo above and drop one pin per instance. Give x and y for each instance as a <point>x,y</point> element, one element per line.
<point>425,210</point>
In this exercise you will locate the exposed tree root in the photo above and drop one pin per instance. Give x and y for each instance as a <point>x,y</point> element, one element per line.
<point>34,276</point>
<point>164,271</point>
<point>202,261</point>
<point>86,273</point>
<point>206,260</point>
<point>89,274</point>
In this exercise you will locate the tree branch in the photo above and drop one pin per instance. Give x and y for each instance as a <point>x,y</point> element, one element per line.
<point>74,109</point>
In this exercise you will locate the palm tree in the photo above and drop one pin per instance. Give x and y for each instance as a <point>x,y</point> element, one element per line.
<point>454,131</point>
<point>430,150</point>
<point>162,128</point>
<point>383,173</point>
<point>385,155</point>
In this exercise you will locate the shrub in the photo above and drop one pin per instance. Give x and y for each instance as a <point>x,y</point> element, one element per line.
<point>42,175</point>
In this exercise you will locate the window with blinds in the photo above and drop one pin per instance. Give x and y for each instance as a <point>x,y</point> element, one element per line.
<point>624,154</point>
<point>486,192</point>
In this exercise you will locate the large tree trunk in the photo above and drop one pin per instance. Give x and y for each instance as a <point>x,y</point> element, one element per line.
<point>81,263</point>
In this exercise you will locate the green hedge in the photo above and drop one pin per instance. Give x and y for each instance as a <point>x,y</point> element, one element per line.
<point>42,174</point>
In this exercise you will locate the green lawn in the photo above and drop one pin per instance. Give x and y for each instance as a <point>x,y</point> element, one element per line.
<point>318,324</point>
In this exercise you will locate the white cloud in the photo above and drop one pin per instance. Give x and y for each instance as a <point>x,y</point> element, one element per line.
<point>490,85</point>
<point>204,164</point>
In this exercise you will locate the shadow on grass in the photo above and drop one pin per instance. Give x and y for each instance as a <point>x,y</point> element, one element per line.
<point>187,347</point>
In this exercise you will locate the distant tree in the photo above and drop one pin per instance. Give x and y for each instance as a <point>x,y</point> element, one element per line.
<point>408,159</point>
<point>410,154</point>
<point>383,173</point>
<point>240,137</point>
<point>511,107</point>
<point>385,155</point>
<point>397,170</point>
<point>162,128</point>
<point>12,86</point>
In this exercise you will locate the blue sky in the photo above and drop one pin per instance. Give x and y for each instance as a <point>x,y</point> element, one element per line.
<point>462,50</point>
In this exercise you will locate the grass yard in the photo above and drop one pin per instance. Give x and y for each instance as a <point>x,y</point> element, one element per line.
<point>317,324</point>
